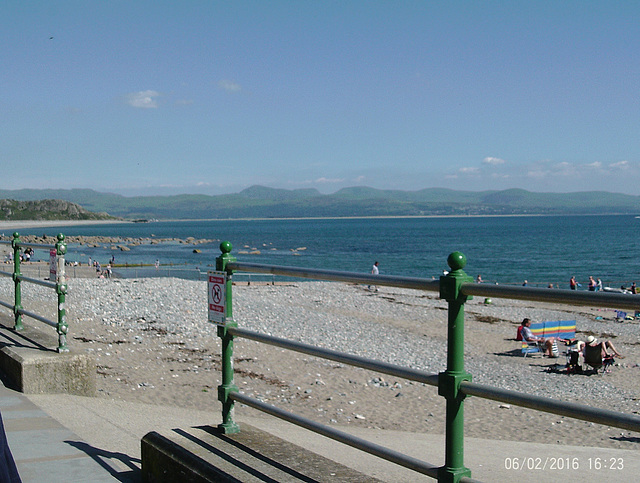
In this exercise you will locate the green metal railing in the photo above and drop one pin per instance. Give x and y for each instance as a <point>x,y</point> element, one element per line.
<point>60,287</point>
<point>454,384</point>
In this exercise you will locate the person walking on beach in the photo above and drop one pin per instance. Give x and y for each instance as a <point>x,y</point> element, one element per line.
<point>374,271</point>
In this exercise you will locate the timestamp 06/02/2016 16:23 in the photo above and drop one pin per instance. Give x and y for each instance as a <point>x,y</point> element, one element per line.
<point>566,463</point>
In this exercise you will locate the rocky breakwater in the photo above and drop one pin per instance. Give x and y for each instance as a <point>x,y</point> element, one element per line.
<point>113,242</point>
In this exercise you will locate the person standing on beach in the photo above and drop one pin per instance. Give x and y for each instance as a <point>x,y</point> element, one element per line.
<point>573,285</point>
<point>374,271</point>
<point>592,284</point>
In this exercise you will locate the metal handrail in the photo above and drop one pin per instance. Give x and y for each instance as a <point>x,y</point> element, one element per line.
<point>33,315</point>
<point>539,403</point>
<point>35,281</point>
<point>560,296</point>
<point>332,355</point>
<point>345,438</point>
<point>607,417</point>
<point>337,276</point>
<point>454,384</point>
<point>60,287</point>
<point>556,296</point>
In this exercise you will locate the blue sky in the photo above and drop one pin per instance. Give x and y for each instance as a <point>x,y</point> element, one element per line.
<point>144,97</point>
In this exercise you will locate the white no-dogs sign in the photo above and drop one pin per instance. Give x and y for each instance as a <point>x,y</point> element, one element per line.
<point>217,297</point>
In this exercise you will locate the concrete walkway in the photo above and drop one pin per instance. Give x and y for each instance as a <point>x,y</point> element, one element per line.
<point>45,450</point>
<point>63,438</point>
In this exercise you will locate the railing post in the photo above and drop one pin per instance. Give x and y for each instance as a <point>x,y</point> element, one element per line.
<point>449,380</point>
<point>61,290</point>
<point>228,425</point>
<point>17,305</point>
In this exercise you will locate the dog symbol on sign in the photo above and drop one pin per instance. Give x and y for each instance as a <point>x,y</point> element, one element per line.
<point>216,294</point>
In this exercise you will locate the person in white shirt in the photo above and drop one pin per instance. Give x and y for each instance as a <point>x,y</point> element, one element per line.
<point>374,271</point>
<point>546,344</point>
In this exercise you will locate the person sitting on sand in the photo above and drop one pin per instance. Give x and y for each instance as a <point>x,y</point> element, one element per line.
<point>592,346</point>
<point>543,343</point>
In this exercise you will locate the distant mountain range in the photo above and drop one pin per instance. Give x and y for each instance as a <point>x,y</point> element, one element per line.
<point>263,202</point>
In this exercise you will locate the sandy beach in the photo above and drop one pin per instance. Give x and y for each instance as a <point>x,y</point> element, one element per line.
<point>153,344</point>
<point>9,226</point>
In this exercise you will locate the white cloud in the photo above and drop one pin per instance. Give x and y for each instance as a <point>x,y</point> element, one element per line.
<point>594,165</point>
<point>469,170</point>
<point>538,173</point>
<point>493,161</point>
<point>330,180</point>
<point>229,86</point>
<point>620,165</point>
<point>143,99</point>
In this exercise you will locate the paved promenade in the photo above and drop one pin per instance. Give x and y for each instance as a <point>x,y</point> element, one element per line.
<point>62,438</point>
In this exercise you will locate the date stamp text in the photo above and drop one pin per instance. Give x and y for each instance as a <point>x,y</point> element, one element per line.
<point>566,463</point>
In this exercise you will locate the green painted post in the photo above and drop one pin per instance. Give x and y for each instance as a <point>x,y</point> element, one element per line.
<point>17,306</point>
<point>449,380</point>
<point>228,425</point>
<point>61,290</point>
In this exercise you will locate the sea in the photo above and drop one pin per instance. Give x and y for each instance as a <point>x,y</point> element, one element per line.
<point>501,249</point>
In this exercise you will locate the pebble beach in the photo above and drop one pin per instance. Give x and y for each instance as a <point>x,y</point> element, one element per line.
<point>153,344</point>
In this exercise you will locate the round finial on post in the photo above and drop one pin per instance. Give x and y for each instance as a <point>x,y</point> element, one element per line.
<point>61,246</point>
<point>226,247</point>
<point>457,261</point>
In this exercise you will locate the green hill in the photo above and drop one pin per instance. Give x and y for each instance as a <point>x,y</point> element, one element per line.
<point>264,202</point>
<point>46,210</point>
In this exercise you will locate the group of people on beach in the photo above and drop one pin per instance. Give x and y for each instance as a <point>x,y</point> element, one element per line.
<point>550,344</point>
<point>593,285</point>
<point>24,257</point>
<point>596,286</point>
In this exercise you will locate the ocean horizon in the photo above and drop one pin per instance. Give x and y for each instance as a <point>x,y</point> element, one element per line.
<point>502,249</point>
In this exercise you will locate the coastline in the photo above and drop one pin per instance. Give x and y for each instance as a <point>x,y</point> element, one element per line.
<point>19,224</point>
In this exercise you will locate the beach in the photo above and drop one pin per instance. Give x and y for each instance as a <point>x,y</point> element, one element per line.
<point>153,344</point>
